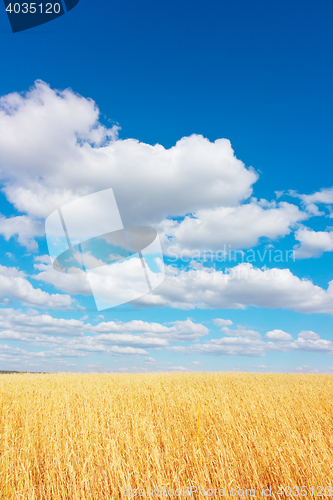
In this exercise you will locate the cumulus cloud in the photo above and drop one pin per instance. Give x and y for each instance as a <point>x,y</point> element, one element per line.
<point>256,347</point>
<point>68,338</point>
<point>324,196</point>
<point>133,340</point>
<point>222,322</point>
<point>308,335</point>
<point>178,330</point>
<point>74,338</point>
<point>306,369</point>
<point>238,227</point>
<point>24,228</point>
<point>227,346</point>
<point>312,243</point>
<point>204,287</point>
<point>99,343</point>
<point>129,351</point>
<point>310,343</point>
<point>29,324</point>
<point>54,149</point>
<point>241,332</point>
<point>73,284</point>
<point>278,335</point>
<point>14,285</point>
<point>241,286</point>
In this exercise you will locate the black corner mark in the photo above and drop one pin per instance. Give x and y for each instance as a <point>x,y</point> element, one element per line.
<point>24,14</point>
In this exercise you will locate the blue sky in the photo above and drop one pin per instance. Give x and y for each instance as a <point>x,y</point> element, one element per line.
<point>152,88</point>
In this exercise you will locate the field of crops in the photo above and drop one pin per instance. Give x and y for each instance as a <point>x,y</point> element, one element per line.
<point>100,436</point>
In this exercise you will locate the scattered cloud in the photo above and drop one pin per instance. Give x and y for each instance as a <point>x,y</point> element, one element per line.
<point>73,284</point>
<point>18,321</point>
<point>74,338</point>
<point>24,228</point>
<point>44,131</point>
<point>278,335</point>
<point>324,196</point>
<point>178,330</point>
<point>222,322</point>
<point>236,227</point>
<point>308,335</point>
<point>14,285</point>
<point>241,332</point>
<point>312,243</point>
<point>306,369</point>
<point>197,194</point>
<point>255,347</point>
<point>241,286</point>
<point>308,345</point>
<point>225,346</point>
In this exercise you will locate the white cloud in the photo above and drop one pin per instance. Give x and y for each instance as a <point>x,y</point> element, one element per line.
<point>310,202</point>
<point>87,344</point>
<point>308,335</point>
<point>306,344</point>
<point>73,284</point>
<point>133,340</point>
<point>228,346</point>
<point>222,322</point>
<point>247,346</point>
<point>68,338</point>
<point>48,135</point>
<point>245,285</point>
<point>312,243</point>
<point>324,196</point>
<point>306,369</point>
<point>241,332</point>
<point>237,227</point>
<point>131,351</point>
<point>16,320</point>
<point>35,327</point>
<point>45,259</point>
<point>149,360</point>
<point>278,335</point>
<point>54,149</point>
<point>25,228</point>
<point>14,285</point>
<point>203,287</point>
<point>32,338</point>
<point>179,330</point>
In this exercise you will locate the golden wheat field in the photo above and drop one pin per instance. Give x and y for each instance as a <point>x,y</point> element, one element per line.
<point>110,436</point>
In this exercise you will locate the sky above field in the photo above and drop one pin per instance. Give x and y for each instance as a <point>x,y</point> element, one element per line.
<point>212,123</point>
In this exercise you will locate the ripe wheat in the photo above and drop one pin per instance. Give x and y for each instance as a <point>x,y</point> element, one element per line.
<point>70,436</point>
